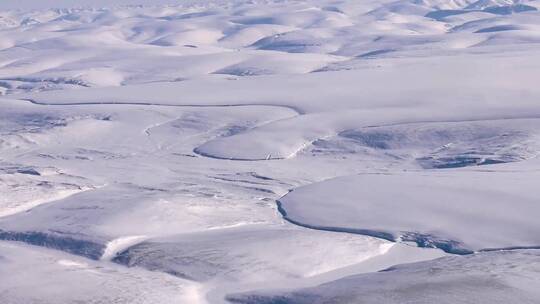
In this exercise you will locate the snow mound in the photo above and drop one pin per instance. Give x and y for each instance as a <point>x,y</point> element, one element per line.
<point>457,211</point>
<point>239,254</point>
<point>495,277</point>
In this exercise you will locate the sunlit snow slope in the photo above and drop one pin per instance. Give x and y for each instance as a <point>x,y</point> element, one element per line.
<point>195,151</point>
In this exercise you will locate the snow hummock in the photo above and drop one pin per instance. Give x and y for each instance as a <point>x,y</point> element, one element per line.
<point>457,211</point>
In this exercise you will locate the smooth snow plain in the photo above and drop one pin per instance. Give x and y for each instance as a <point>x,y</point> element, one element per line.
<point>316,151</point>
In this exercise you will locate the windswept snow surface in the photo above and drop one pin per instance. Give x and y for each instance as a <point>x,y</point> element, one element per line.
<point>495,277</point>
<point>183,151</point>
<point>38,275</point>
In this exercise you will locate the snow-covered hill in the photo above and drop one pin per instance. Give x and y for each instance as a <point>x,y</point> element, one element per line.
<point>191,150</point>
<point>501,277</point>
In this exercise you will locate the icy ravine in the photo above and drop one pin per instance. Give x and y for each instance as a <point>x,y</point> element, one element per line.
<point>95,224</point>
<point>206,149</point>
<point>458,210</point>
<point>432,238</point>
<point>92,105</point>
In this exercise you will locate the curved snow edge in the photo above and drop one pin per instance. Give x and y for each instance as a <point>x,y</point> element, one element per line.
<point>421,240</point>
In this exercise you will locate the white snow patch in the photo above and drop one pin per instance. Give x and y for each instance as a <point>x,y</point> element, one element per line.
<point>119,244</point>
